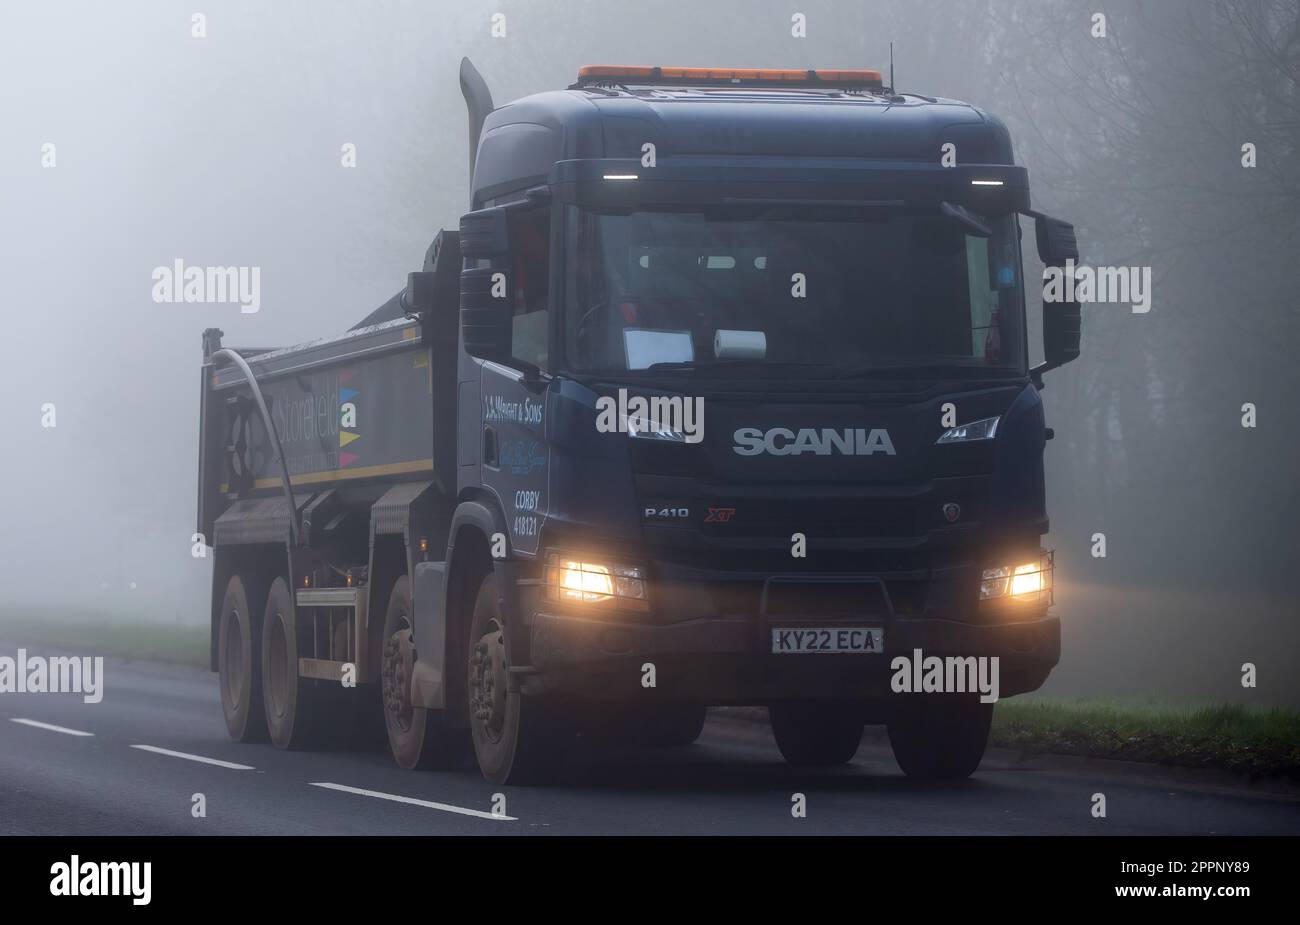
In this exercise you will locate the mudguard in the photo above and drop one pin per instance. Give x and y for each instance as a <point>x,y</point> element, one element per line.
<point>431,581</point>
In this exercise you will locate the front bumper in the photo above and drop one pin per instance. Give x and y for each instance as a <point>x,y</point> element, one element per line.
<point>727,661</point>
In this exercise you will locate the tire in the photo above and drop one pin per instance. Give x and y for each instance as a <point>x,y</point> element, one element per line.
<point>939,736</point>
<point>416,735</point>
<point>515,741</point>
<point>676,726</point>
<point>239,660</point>
<point>815,733</point>
<point>291,708</point>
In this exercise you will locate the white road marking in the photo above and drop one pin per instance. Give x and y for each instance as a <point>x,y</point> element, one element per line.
<point>188,757</point>
<point>427,804</point>
<point>52,728</point>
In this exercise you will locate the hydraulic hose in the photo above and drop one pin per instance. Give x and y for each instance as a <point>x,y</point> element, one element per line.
<point>226,355</point>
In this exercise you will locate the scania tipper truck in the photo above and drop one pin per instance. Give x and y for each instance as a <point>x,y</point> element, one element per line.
<point>719,395</point>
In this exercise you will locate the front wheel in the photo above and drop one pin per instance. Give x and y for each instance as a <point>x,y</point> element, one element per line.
<point>939,736</point>
<point>417,736</point>
<point>514,740</point>
<point>816,733</point>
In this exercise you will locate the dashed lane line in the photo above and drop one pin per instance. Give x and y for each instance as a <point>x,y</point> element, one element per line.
<point>51,727</point>
<point>199,758</point>
<point>427,804</point>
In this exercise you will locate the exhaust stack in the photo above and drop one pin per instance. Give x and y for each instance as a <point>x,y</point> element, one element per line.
<point>478,102</point>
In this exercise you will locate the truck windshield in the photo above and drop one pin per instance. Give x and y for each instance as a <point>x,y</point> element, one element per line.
<point>852,292</point>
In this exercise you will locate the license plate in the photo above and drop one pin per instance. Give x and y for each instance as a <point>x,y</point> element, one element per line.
<point>828,639</point>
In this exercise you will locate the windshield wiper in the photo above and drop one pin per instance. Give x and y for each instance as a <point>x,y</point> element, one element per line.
<point>968,219</point>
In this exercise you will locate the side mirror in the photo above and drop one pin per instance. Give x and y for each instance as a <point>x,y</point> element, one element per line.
<point>442,269</point>
<point>1062,331</point>
<point>1062,321</point>
<point>1056,240</point>
<point>485,306</point>
<point>418,296</point>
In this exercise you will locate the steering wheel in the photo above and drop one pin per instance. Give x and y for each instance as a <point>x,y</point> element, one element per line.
<point>581,330</point>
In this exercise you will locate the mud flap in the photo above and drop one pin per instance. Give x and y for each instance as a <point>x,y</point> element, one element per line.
<point>429,603</point>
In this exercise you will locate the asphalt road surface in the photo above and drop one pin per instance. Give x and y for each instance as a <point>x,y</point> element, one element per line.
<point>132,764</point>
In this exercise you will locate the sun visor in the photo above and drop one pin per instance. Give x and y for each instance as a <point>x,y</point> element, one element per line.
<point>618,183</point>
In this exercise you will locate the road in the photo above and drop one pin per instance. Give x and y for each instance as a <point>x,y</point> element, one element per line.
<point>136,773</point>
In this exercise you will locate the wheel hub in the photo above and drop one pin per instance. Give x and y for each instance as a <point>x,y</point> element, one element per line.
<point>395,676</point>
<point>232,662</point>
<point>487,682</point>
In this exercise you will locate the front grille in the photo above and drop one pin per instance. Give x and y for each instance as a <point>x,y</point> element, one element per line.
<point>814,517</point>
<point>908,597</point>
<point>893,538</point>
<point>745,598</point>
<point>879,511</point>
<point>732,580</point>
<point>826,598</point>
<point>677,553</point>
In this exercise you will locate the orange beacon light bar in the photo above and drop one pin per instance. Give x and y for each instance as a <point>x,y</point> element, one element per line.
<point>868,78</point>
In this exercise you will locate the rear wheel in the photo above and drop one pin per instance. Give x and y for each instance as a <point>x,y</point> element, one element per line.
<point>815,733</point>
<point>416,736</point>
<point>939,736</point>
<point>515,741</point>
<point>239,663</point>
<point>291,713</point>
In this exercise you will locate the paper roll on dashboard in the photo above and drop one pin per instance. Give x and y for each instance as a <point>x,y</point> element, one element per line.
<point>739,345</point>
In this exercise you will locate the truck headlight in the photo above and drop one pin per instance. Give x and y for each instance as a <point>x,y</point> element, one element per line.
<point>583,580</point>
<point>985,429</point>
<point>1029,581</point>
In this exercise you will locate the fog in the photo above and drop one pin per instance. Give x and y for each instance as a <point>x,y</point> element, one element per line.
<point>226,150</point>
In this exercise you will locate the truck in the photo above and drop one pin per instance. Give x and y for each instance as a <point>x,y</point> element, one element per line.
<point>719,395</point>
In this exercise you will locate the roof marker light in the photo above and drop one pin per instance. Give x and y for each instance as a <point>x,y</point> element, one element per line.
<point>634,74</point>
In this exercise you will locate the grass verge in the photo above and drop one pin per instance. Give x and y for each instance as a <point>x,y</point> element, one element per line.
<point>183,645</point>
<point>1256,741</point>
